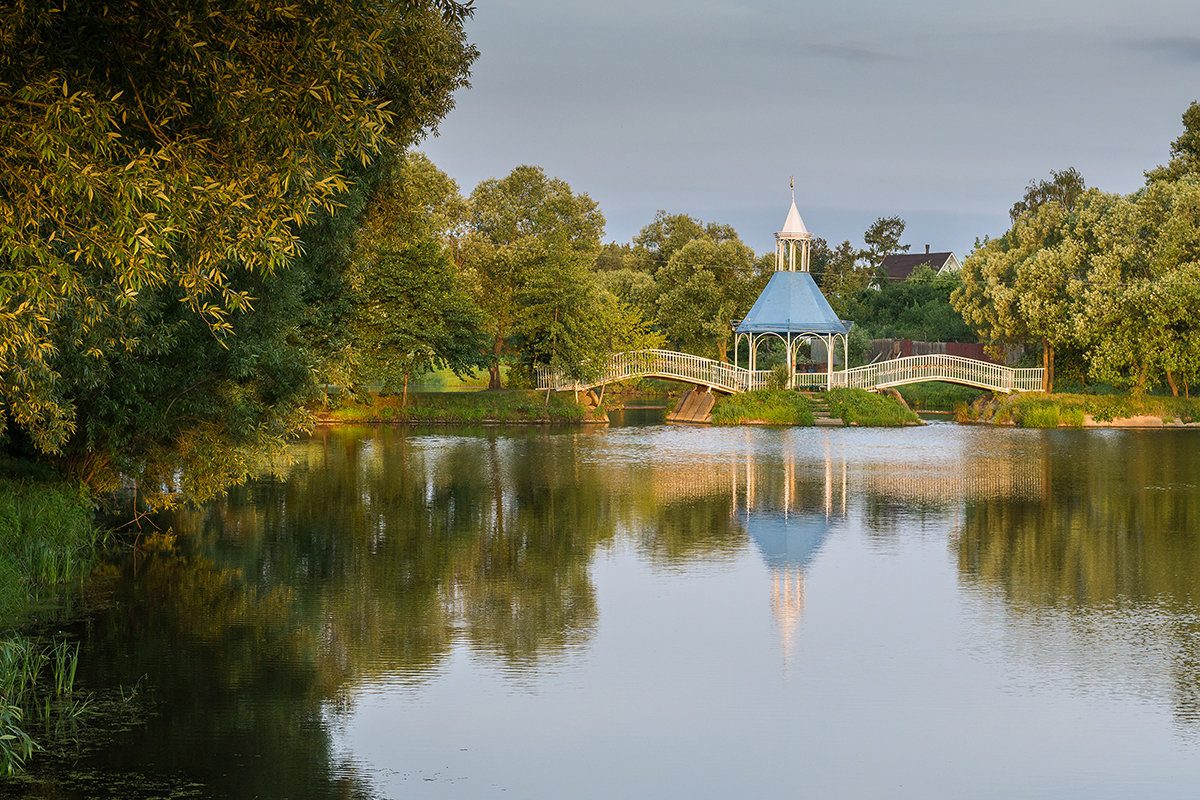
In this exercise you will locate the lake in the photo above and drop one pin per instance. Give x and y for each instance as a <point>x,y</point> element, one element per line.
<point>661,611</point>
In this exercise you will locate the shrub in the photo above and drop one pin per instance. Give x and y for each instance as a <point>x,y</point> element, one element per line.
<point>867,409</point>
<point>1072,417</point>
<point>1041,416</point>
<point>939,395</point>
<point>779,377</point>
<point>773,406</point>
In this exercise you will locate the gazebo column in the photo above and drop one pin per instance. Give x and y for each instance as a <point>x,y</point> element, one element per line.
<point>791,358</point>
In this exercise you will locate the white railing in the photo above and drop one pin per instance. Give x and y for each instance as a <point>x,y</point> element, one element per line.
<point>662,364</point>
<point>732,378</point>
<point>940,367</point>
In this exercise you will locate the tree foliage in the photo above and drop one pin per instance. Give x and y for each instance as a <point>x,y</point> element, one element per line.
<point>916,308</point>
<point>1114,278</point>
<point>654,245</point>
<point>882,238</point>
<point>1139,318</point>
<point>1064,188</point>
<point>529,251</point>
<point>411,315</point>
<point>161,166</point>
<point>839,274</point>
<point>1185,150</point>
<point>703,289</point>
<point>1027,283</point>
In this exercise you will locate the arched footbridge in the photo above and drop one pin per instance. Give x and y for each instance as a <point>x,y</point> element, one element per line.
<point>730,379</point>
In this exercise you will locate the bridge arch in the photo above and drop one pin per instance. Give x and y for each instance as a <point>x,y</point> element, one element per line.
<point>730,378</point>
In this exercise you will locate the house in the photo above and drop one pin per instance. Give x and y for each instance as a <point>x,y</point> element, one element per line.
<point>901,265</point>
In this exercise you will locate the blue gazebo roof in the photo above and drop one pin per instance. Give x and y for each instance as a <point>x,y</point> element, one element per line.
<point>792,303</point>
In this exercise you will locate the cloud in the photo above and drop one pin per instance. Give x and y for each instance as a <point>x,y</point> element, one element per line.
<point>1183,48</point>
<point>850,52</point>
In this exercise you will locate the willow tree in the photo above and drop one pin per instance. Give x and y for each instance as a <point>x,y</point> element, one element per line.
<point>1028,283</point>
<point>160,166</point>
<point>1144,288</point>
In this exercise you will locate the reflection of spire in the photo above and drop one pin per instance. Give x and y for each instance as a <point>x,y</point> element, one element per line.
<point>787,603</point>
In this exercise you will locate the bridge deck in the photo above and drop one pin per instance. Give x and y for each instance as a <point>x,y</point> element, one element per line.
<point>729,378</point>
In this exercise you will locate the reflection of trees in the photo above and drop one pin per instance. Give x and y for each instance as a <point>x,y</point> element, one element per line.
<point>417,538</point>
<point>522,586</point>
<point>1112,541</point>
<point>680,531</point>
<point>222,664</point>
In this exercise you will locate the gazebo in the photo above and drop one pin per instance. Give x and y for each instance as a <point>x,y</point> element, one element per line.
<point>791,307</point>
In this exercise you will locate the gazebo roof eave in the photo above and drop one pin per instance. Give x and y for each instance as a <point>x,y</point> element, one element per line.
<point>801,330</point>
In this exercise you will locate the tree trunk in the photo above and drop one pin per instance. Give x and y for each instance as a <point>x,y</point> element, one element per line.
<point>1171,383</point>
<point>723,351</point>
<point>1050,385</point>
<point>404,394</point>
<point>494,367</point>
<point>1046,385</point>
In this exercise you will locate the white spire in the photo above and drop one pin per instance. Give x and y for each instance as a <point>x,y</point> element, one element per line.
<point>794,233</point>
<point>793,226</point>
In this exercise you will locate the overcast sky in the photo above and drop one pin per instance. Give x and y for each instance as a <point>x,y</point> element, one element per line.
<point>939,111</point>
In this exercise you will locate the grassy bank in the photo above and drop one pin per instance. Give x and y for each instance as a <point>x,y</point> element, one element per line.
<point>1038,410</point>
<point>939,396</point>
<point>47,540</point>
<point>770,406</point>
<point>867,409</point>
<point>514,405</point>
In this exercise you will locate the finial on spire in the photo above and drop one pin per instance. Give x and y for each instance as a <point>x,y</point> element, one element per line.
<point>792,183</point>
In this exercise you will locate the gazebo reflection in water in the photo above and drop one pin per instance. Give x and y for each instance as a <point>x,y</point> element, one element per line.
<point>789,530</point>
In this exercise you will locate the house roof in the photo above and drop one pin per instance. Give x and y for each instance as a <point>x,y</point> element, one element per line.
<point>900,265</point>
<point>791,303</point>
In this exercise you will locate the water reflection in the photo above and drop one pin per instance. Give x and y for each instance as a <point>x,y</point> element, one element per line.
<point>386,559</point>
<point>1101,569</point>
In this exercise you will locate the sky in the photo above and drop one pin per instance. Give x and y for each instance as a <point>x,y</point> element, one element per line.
<point>938,111</point>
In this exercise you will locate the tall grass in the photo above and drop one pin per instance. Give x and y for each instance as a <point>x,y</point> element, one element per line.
<point>1038,410</point>
<point>466,408</point>
<point>37,685</point>
<point>867,409</point>
<point>47,539</point>
<point>772,406</point>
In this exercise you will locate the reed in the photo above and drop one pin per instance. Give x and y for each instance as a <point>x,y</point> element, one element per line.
<point>37,685</point>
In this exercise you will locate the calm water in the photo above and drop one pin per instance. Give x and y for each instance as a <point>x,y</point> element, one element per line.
<point>654,611</point>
